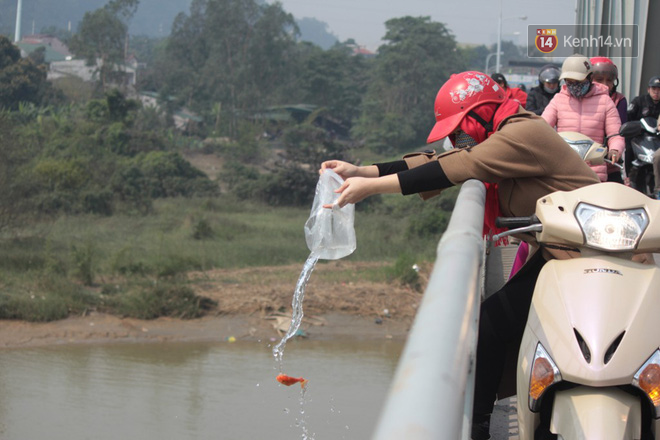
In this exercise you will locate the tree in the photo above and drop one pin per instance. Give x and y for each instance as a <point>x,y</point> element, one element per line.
<point>234,53</point>
<point>9,54</point>
<point>21,80</point>
<point>418,57</point>
<point>15,203</point>
<point>334,79</point>
<point>103,35</point>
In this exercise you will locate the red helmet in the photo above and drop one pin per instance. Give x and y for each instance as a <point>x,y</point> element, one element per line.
<point>461,93</point>
<point>605,66</point>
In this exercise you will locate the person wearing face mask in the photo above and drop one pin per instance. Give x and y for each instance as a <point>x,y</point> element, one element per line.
<point>520,158</point>
<point>585,107</point>
<point>539,96</point>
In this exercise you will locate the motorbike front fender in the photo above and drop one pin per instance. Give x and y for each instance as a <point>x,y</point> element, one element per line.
<point>608,413</point>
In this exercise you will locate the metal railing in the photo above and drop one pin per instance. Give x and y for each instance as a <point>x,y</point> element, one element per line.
<point>431,394</point>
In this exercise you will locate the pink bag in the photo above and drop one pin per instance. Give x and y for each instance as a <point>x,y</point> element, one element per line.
<point>520,259</point>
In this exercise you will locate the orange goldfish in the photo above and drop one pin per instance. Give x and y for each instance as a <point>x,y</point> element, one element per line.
<point>288,380</point>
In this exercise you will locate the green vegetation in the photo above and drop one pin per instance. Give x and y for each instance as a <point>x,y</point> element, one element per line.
<point>135,265</point>
<point>101,206</point>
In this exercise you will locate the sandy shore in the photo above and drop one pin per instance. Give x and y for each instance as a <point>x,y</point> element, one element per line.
<point>101,328</point>
<point>253,304</point>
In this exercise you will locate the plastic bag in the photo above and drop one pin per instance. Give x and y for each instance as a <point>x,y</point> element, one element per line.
<point>329,232</point>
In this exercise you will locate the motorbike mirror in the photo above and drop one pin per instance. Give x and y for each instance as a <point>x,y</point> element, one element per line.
<point>631,129</point>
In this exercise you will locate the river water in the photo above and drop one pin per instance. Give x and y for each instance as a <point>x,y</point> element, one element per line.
<point>194,391</point>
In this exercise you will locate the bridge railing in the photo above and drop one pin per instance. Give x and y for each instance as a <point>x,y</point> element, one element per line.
<point>431,394</point>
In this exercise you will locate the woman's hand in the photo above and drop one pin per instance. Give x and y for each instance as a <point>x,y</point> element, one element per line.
<point>353,190</point>
<point>343,169</point>
<point>356,189</point>
<point>613,155</point>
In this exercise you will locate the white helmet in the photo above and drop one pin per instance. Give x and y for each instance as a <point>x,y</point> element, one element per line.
<point>575,67</point>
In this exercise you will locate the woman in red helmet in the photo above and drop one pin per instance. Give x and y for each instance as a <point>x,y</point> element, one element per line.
<point>521,159</point>
<point>605,72</point>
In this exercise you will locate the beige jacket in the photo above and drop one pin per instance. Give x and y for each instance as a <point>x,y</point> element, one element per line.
<point>525,157</point>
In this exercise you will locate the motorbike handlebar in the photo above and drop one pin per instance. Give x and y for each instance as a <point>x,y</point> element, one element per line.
<point>516,222</point>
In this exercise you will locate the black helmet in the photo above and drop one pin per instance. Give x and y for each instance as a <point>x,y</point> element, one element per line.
<point>500,79</point>
<point>654,82</point>
<point>549,74</point>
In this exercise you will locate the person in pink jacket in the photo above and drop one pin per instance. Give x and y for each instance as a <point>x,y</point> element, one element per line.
<point>585,107</point>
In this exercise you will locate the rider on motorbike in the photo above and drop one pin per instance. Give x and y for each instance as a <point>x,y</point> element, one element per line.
<point>644,106</point>
<point>585,107</point>
<point>539,96</point>
<point>605,72</point>
<point>520,158</point>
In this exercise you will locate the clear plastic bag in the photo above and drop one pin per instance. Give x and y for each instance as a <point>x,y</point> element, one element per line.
<point>329,232</point>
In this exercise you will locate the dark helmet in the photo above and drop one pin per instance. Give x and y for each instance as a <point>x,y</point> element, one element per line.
<point>500,79</point>
<point>654,82</point>
<point>549,74</point>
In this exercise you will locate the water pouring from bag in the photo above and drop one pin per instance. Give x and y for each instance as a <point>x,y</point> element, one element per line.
<point>330,235</point>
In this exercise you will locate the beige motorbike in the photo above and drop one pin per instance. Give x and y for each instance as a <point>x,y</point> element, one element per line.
<point>589,362</point>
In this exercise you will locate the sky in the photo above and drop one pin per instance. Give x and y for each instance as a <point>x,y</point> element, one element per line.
<point>471,21</point>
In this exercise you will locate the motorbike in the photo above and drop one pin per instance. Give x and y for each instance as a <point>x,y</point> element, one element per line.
<point>644,140</point>
<point>588,366</point>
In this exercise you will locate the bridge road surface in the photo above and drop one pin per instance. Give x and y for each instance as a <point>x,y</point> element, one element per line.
<point>504,421</point>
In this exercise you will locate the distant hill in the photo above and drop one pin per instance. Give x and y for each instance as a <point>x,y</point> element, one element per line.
<point>316,32</point>
<point>153,18</point>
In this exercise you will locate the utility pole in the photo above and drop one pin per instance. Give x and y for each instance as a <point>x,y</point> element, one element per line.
<point>17,35</point>
<point>499,41</point>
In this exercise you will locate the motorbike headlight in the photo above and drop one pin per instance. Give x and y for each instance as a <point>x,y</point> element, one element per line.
<point>647,379</point>
<point>544,373</point>
<point>580,147</point>
<point>611,230</point>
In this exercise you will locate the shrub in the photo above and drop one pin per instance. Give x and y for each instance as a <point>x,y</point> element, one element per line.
<point>32,308</point>
<point>202,229</point>
<point>161,300</point>
<point>126,262</point>
<point>289,186</point>
<point>82,258</point>
<point>98,202</point>
<point>404,271</point>
<point>428,223</point>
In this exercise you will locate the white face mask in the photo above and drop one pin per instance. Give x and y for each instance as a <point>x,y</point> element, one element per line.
<point>464,140</point>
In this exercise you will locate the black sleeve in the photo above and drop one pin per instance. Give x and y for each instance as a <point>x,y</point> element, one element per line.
<point>633,110</point>
<point>427,177</point>
<point>532,105</point>
<point>385,169</point>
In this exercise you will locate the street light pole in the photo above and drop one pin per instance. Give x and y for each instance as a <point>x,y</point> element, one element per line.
<point>499,40</point>
<point>498,65</point>
<point>488,61</point>
<point>17,32</point>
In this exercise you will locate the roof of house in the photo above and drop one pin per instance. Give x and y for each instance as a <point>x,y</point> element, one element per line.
<point>50,54</point>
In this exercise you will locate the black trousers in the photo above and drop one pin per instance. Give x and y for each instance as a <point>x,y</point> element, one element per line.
<point>502,322</point>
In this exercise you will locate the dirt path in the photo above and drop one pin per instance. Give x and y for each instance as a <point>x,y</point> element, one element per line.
<point>253,304</point>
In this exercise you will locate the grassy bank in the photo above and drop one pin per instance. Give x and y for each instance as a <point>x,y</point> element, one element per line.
<point>134,265</point>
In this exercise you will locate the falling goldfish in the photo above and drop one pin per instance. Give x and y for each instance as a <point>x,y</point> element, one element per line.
<point>288,380</point>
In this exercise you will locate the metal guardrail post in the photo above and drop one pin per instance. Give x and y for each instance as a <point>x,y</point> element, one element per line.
<point>431,394</point>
